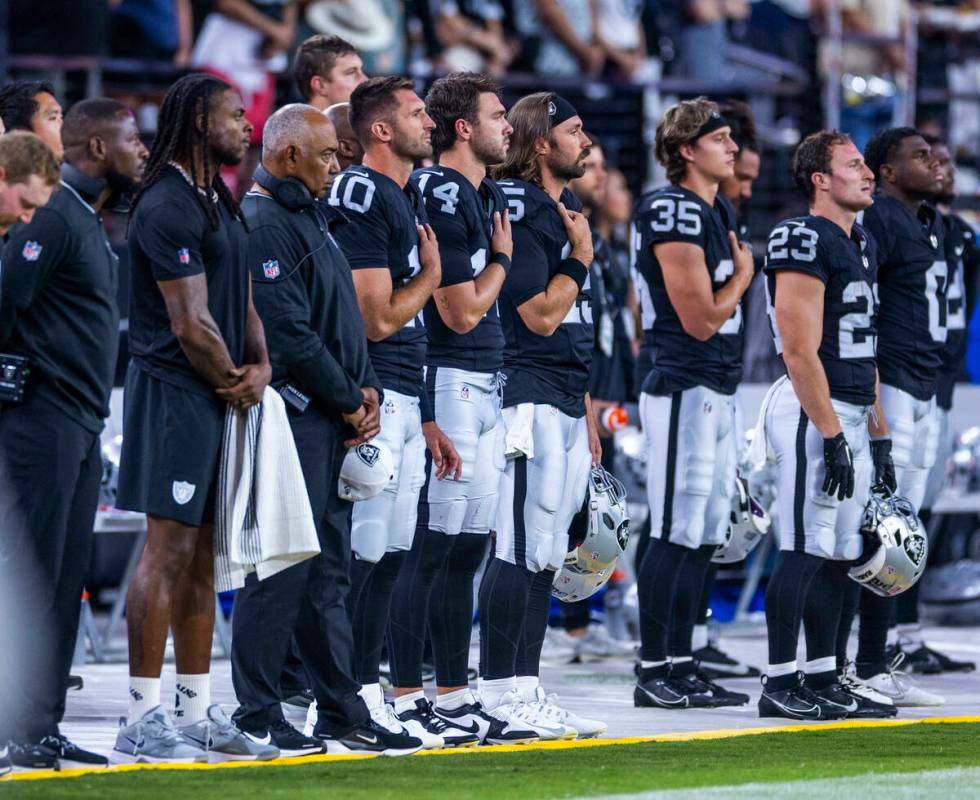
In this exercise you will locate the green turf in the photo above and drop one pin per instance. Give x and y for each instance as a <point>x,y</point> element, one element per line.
<point>553,774</point>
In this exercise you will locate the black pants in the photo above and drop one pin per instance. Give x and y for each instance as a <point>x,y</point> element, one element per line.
<point>308,599</point>
<point>52,468</point>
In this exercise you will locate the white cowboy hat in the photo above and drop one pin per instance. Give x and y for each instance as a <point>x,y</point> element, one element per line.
<point>363,23</point>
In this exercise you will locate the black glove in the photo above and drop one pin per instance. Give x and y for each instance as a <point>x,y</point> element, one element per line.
<point>881,457</point>
<point>838,467</point>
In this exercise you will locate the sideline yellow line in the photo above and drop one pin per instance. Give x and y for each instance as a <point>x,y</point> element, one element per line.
<point>685,736</point>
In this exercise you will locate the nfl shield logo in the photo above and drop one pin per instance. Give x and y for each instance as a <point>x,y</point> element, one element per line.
<point>31,251</point>
<point>270,268</point>
<point>182,492</point>
<point>184,255</point>
<point>933,240</point>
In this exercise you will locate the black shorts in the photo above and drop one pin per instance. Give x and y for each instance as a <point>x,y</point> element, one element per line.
<point>171,449</point>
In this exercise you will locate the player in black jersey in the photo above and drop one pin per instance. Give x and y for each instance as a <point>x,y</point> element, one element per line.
<point>821,272</point>
<point>551,440</point>
<point>395,259</point>
<point>912,286</point>
<point>463,359</point>
<point>692,273</point>
<point>197,346</point>
<point>963,264</point>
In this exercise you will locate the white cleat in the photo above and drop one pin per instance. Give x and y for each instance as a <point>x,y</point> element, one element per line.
<point>898,686</point>
<point>310,723</point>
<point>512,710</point>
<point>585,728</point>
<point>855,685</point>
<point>597,643</point>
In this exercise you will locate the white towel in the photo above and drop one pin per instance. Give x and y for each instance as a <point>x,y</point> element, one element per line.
<point>264,520</point>
<point>759,451</point>
<point>519,430</point>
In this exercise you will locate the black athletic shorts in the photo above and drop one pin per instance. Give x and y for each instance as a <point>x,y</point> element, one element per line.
<point>170,451</point>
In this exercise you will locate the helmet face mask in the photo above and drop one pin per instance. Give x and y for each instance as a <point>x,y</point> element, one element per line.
<point>895,545</point>
<point>590,565</point>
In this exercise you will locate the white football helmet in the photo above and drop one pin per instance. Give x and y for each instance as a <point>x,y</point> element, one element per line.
<point>895,545</point>
<point>750,523</point>
<point>589,565</point>
<point>366,470</point>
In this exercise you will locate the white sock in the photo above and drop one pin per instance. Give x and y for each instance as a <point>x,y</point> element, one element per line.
<point>407,701</point>
<point>144,694</point>
<point>192,698</point>
<point>526,684</point>
<point>453,700</point>
<point>651,664</point>
<point>681,660</point>
<point>828,664</point>
<point>700,637</point>
<point>373,696</point>
<point>778,670</point>
<point>491,691</point>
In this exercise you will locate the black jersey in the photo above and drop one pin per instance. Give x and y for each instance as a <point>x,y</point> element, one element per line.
<point>847,266</point>
<point>381,232</point>
<point>462,219</point>
<point>170,237</point>
<point>912,279</point>
<point>675,214</point>
<point>962,255</point>
<point>543,369</point>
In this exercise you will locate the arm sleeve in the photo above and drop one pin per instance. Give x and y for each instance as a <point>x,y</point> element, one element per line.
<point>283,303</point>
<point>172,243</point>
<point>364,237</point>
<point>454,251</point>
<point>30,256</point>
<point>528,274</point>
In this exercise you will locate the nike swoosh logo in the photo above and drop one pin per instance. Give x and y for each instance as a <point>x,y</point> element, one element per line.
<point>474,728</point>
<point>373,739</point>
<point>652,696</point>
<point>267,739</point>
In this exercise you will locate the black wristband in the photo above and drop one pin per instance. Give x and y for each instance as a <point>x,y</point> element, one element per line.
<point>575,270</point>
<point>503,259</point>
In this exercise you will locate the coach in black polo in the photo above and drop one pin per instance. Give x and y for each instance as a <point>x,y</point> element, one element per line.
<point>60,312</point>
<point>304,292</point>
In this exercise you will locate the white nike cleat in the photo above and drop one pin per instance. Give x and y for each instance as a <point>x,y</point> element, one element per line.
<point>899,688</point>
<point>513,711</point>
<point>855,685</point>
<point>311,717</point>
<point>559,647</point>
<point>584,727</point>
<point>597,643</point>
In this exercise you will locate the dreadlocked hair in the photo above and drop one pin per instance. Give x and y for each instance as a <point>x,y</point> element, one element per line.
<point>178,137</point>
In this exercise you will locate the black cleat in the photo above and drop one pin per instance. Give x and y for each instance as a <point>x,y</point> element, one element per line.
<point>798,702</point>
<point>716,663</point>
<point>75,683</point>
<point>66,750</point>
<point>291,742</point>
<point>300,698</point>
<point>369,738</point>
<point>423,715</point>
<point>922,659</point>
<point>32,755</point>
<point>671,692</point>
<point>473,718</point>
<point>870,704</point>
<point>725,697</point>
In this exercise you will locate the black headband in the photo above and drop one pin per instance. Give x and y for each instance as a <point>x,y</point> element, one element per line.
<point>560,110</point>
<point>715,121</point>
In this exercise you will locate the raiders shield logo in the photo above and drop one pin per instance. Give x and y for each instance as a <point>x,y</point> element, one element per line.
<point>623,535</point>
<point>915,548</point>
<point>368,453</point>
<point>182,492</point>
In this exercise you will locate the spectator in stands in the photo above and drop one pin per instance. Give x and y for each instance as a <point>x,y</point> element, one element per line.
<point>619,32</point>
<point>561,37</point>
<point>471,35</point>
<point>326,70</point>
<point>375,27</point>
<point>32,106</point>
<point>244,43</point>
<point>702,49</point>
<point>154,29</point>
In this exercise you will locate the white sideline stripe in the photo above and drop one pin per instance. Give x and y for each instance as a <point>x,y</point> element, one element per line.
<point>949,784</point>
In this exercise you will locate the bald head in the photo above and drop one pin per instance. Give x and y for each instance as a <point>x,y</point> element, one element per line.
<point>349,150</point>
<point>299,141</point>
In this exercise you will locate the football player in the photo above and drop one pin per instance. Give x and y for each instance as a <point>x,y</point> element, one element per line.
<point>963,262</point>
<point>912,281</point>
<point>821,279</point>
<point>737,189</point>
<point>692,275</point>
<point>464,356</point>
<point>551,441</point>
<point>395,261</point>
